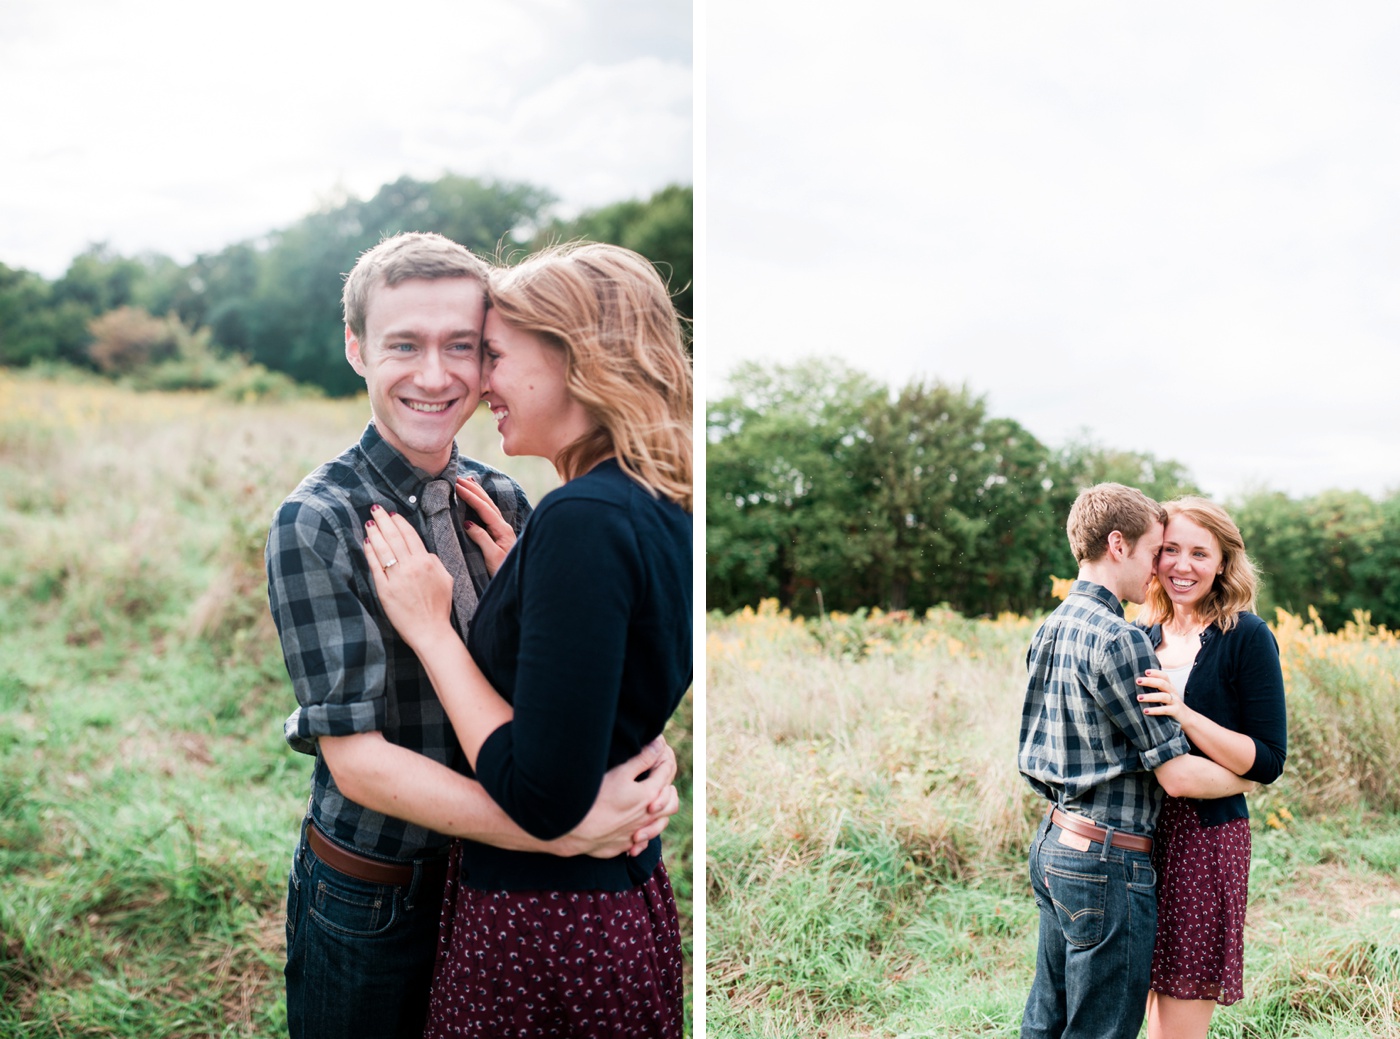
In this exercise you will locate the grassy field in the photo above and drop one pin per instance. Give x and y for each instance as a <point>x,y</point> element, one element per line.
<point>867,828</point>
<point>148,804</point>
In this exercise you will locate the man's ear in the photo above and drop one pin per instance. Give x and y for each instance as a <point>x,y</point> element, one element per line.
<point>352,352</point>
<point>1117,545</point>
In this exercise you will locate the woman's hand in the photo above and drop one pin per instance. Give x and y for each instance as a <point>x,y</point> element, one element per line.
<point>497,537</point>
<point>1159,690</point>
<point>414,587</point>
<point>629,812</point>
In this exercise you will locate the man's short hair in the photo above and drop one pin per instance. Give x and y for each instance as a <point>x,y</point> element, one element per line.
<point>1103,508</point>
<point>412,254</point>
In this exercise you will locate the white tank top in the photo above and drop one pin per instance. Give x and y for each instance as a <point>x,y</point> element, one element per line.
<point>1179,675</point>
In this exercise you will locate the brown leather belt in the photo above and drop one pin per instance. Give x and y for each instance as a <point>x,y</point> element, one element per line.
<point>362,867</point>
<point>1083,827</point>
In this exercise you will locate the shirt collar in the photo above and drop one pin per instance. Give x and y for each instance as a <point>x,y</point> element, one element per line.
<point>397,474</point>
<point>1098,592</point>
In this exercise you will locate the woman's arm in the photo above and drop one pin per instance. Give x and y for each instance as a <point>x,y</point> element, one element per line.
<point>404,784</point>
<point>585,663</point>
<point>1258,750</point>
<point>1227,748</point>
<point>416,593</point>
<point>1263,711</point>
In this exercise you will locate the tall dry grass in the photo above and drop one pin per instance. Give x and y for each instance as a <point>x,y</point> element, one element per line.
<point>867,830</point>
<point>875,722</point>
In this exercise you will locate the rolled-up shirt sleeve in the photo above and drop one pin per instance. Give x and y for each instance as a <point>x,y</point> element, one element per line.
<point>1157,738</point>
<point>331,640</point>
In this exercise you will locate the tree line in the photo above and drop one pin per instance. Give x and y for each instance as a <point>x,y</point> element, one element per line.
<point>275,301</point>
<point>829,491</point>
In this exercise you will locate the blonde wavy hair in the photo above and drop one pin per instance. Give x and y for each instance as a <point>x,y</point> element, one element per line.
<point>608,311</point>
<point>1236,587</point>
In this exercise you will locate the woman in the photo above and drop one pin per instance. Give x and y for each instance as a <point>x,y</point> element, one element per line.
<point>580,651</point>
<point>1226,660</point>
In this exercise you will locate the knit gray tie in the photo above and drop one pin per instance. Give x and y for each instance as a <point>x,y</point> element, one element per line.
<point>442,539</point>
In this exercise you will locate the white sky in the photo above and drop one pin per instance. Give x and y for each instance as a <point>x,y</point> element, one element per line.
<point>181,128</point>
<point>1177,225</point>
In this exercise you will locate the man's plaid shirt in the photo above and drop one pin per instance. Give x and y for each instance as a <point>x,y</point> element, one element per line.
<point>350,670</point>
<point>1085,743</point>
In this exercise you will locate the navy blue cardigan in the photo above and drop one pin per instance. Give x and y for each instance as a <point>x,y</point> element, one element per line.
<point>1237,682</point>
<point>586,631</point>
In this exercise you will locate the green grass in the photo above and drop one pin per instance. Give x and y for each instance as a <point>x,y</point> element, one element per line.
<point>867,830</point>
<point>148,803</point>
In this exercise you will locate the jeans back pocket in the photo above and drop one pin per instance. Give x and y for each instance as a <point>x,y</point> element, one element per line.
<point>1079,900</point>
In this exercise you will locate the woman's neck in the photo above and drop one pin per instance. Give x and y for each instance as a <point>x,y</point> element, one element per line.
<point>1182,622</point>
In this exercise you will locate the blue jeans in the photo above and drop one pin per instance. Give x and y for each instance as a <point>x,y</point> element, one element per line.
<point>1098,922</point>
<point>359,954</point>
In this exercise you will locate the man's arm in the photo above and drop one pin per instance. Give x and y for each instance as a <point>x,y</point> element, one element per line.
<point>1189,775</point>
<point>398,782</point>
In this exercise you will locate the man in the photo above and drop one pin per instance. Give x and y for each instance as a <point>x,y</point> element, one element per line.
<point>1088,749</point>
<point>387,791</point>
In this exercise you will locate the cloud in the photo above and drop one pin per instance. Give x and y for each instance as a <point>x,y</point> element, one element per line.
<point>154,125</point>
<point>1175,226</point>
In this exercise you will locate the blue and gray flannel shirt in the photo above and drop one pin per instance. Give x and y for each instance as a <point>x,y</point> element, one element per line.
<point>349,669</point>
<point>1085,743</point>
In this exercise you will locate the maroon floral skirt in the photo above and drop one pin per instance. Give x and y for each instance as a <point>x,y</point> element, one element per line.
<point>1202,888</point>
<point>558,963</point>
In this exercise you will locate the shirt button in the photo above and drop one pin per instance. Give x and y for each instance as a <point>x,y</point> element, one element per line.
<point>413,499</point>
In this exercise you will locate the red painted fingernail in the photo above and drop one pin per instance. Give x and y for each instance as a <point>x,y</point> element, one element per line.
<point>369,523</point>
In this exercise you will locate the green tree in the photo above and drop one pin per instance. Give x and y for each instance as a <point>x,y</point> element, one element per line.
<point>1023,542</point>
<point>1349,528</point>
<point>1338,551</point>
<point>276,300</point>
<point>1376,572</point>
<point>288,316</point>
<point>781,518</point>
<point>1086,463</point>
<point>100,280</point>
<point>26,317</point>
<point>921,474</point>
<point>826,490</point>
<point>1280,537</point>
<point>662,229</point>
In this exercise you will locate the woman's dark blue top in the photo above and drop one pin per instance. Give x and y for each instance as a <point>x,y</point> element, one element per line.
<point>586,631</point>
<point>1237,682</point>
